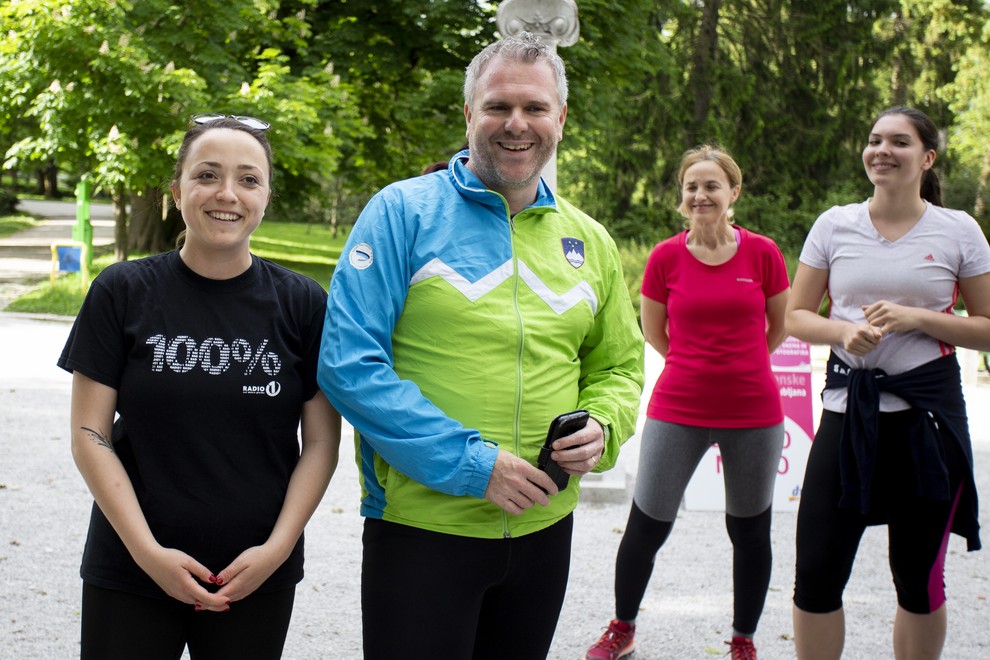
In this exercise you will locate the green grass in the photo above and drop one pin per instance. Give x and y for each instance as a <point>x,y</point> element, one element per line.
<point>11,224</point>
<point>61,299</point>
<point>307,249</point>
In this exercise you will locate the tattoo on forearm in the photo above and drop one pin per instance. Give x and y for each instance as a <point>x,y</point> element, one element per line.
<point>99,438</point>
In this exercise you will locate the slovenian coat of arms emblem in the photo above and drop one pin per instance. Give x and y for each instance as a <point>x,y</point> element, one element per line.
<point>573,251</point>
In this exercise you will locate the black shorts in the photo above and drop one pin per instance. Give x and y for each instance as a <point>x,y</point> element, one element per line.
<point>918,528</point>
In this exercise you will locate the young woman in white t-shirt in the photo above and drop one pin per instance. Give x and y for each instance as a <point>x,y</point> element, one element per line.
<point>893,444</point>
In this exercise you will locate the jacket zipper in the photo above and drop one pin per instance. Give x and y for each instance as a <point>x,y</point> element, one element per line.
<point>517,409</point>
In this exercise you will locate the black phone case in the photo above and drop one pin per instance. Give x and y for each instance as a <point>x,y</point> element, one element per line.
<point>561,425</point>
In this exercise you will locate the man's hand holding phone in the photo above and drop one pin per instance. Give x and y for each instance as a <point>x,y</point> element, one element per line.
<point>573,446</point>
<point>516,485</point>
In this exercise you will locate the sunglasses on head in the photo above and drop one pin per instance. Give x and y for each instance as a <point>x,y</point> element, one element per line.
<point>250,122</point>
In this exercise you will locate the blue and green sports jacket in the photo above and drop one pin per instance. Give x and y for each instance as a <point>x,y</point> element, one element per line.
<point>453,330</point>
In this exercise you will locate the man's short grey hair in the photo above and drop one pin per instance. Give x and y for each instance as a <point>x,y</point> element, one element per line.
<point>525,47</point>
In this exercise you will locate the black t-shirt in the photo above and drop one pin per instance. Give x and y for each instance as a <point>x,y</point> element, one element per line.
<point>210,376</point>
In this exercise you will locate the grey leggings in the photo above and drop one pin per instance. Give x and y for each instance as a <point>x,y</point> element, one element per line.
<point>670,453</point>
<point>668,457</point>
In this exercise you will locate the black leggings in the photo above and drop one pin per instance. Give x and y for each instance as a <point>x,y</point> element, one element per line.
<point>752,559</point>
<point>917,528</point>
<point>119,626</point>
<point>427,595</point>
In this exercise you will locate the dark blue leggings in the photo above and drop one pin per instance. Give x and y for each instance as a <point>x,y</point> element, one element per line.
<point>427,595</point>
<point>120,626</point>
<point>918,528</point>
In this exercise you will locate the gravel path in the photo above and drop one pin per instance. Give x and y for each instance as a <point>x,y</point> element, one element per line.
<point>26,258</point>
<point>44,510</point>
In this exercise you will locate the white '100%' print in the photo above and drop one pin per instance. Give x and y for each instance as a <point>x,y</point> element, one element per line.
<point>214,355</point>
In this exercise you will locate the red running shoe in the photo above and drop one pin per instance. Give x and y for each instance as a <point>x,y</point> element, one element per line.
<point>616,642</point>
<point>741,648</point>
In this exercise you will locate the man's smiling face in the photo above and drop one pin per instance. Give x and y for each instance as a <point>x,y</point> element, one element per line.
<point>514,123</point>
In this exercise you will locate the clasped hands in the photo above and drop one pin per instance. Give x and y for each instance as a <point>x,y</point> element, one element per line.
<point>882,318</point>
<point>183,578</point>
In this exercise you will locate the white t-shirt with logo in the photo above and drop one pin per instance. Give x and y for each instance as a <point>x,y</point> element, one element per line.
<point>920,269</point>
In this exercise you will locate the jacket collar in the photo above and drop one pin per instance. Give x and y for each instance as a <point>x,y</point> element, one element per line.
<point>471,187</point>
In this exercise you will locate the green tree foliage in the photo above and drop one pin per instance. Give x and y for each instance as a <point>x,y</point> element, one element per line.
<point>405,61</point>
<point>626,115</point>
<point>362,93</point>
<point>968,97</point>
<point>788,87</point>
<point>784,86</point>
<point>107,88</point>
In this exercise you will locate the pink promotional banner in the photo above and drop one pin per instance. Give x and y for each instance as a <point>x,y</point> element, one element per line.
<point>791,364</point>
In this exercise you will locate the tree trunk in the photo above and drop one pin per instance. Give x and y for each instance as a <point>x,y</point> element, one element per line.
<point>142,220</point>
<point>46,180</point>
<point>152,230</point>
<point>980,207</point>
<point>118,197</point>
<point>51,181</point>
<point>334,206</point>
<point>900,62</point>
<point>702,83</point>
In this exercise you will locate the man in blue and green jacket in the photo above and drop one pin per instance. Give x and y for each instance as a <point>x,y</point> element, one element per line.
<point>469,308</point>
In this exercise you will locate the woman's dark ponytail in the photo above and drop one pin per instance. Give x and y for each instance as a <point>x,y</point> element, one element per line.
<point>931,188</point>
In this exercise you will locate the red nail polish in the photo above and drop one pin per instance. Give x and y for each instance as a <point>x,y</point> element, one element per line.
<point>213,578</point>
<point>197,607</point>
<point>219,580</point>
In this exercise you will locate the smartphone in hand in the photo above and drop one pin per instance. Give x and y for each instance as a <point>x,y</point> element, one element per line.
<point>561,425</point>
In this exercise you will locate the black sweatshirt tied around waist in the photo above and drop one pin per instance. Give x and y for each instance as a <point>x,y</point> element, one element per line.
<point>935,390</point>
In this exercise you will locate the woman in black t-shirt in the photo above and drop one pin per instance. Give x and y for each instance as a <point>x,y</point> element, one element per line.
<point>206,356</point>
